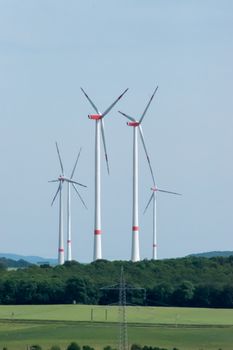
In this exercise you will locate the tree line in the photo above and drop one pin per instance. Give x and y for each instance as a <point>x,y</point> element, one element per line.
<point>191,281</point>
<point>75,346</point>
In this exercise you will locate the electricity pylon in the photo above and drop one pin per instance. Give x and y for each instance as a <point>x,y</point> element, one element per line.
<point>122,319</point>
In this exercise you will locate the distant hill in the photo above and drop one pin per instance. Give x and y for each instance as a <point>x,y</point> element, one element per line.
<point>30,259</point>
<point>212,254</point>
<point>10,263</point>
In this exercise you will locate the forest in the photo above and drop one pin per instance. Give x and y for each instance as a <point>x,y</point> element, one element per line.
<point>189,282</point>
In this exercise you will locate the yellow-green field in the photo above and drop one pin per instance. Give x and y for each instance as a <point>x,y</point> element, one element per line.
<point>86,313</point>
<point>97,326</point>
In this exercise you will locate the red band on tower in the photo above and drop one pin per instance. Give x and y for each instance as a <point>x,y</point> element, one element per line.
<point>97,232</point>
<point>68,241</point>
<point>61,250</point>
<point>135,228</point>
<point>154,245</point>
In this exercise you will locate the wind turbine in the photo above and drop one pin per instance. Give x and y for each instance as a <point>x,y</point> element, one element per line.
<point>61,179</point>
<point>69,247</point>
<point>155,189</point>
<point>99,129</point>
<point>135,251</point>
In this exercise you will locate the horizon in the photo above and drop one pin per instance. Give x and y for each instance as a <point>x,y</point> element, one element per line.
<point>32,258</point>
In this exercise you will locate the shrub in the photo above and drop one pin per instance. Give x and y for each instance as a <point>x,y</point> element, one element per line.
<point>87,347</point>
<point>35,347</point>
<point>136,347</point>
<point>73,346</point>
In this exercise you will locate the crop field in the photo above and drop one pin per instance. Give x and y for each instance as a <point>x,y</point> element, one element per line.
<point>97,326</point>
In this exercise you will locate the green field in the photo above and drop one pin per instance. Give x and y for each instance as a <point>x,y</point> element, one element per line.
<point>184,328</point>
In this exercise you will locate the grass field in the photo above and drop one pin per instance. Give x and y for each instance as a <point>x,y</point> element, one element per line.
<point>184,328</point>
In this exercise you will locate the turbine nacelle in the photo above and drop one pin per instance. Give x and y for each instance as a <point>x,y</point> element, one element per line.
<point>95,116</point>
<point>133,124</point>
<point>63,178</point>
<point>154,189</point>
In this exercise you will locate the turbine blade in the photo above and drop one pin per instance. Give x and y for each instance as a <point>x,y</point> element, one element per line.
<point>150,199</point>
<point>59,156</point>
<point>91,102</point>
<point>104,143</point>
<point>79,195</point>
<point>127,116</point>
<point>113,104</point>
<point>148,104</point>
<point>53,181</point>
<point>74,182</point>
<point>59,188</point>
<point>178,194</point>
<point>72,174</point>
<point>147,156</point>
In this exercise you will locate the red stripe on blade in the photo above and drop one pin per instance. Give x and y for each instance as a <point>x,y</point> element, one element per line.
<point>135,228</point>
<point>97,232</point>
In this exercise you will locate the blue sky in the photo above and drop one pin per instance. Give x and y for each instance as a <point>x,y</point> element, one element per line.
<point>48,49</point>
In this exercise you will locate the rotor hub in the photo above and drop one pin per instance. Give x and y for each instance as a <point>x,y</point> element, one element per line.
<point>154,189</point>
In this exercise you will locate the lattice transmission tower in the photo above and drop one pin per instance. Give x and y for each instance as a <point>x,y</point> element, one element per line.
<point>122,319</point>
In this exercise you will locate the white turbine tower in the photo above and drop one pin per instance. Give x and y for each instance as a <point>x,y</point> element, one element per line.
<point>61,179</point>
<point>99,129</point>
<point>135,252</point>
<point>155,189</point>
<point>69,243</point>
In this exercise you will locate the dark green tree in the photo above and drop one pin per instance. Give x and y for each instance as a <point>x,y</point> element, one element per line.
<point>87,347</point>
<point>183,295</point>
<point>73,346</point>
<point>136,347</point>
<point>35,347</point>
<point>76,290</point>
<point>108,347</point>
